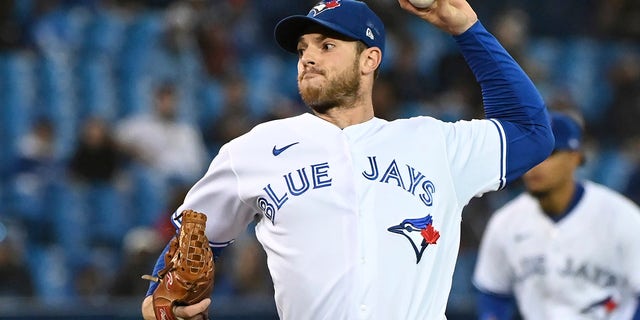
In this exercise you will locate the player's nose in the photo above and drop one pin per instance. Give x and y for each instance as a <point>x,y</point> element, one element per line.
<point>308,58</point>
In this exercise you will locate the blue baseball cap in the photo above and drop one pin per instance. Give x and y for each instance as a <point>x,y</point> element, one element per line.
<point>353,19</point>
<point>567,132</point>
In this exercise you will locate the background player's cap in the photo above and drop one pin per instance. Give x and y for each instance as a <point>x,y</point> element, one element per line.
<point>567,131</point>
<point>353,19</point>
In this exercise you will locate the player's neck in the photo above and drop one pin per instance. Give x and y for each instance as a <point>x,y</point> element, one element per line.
<point>344,116</point>
<point>556,202</point>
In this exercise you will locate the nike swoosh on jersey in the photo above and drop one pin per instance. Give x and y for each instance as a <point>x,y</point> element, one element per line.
<point>521,237</point>
<point>277,151</point>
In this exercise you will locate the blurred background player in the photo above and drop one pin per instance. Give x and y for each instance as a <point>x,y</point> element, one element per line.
<point>565,249</point>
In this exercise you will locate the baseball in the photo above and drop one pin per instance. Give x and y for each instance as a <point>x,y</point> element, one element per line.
<point>422,3</point>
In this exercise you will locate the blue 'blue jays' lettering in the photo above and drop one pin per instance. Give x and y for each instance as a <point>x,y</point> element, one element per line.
<point>297,184</point>
<point>303,179</point>
<point>598,275</point>
<point>585,271</point>
<point>315,176</point>
<point>320,175</point>
<point>531,266</point>
<point>392,173</point>
<point>279,201</point>
<point>267,208</point>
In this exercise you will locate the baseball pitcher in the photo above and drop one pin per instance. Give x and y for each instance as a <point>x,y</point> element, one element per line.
<point>360,217</point>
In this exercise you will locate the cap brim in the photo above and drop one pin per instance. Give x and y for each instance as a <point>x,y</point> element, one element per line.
<point>289,30</point>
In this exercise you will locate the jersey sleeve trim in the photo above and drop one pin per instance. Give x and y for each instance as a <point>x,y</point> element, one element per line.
<point>221,244</point>
<point>503,154</point>
<point>483,290</point>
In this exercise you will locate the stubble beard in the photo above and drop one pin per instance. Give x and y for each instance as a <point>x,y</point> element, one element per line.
<point>337,92</point>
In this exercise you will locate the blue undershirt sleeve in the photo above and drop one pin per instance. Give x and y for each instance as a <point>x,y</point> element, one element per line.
<point>492,306</point>
<point>636,316</point>
<point>510,97</point>
<point>159,266</point>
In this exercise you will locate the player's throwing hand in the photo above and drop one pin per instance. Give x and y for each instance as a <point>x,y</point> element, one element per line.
<point>452,16</point>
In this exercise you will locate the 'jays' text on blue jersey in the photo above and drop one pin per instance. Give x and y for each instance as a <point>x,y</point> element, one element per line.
<point>585,266</point>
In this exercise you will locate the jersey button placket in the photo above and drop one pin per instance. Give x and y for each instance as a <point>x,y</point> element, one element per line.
<point>351,144</point>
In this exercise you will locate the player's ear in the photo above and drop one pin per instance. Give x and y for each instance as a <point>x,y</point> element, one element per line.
<point>370,59</point>
<point>578,158</point>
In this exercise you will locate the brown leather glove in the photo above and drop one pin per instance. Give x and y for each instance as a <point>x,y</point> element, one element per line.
<point>187,277</point>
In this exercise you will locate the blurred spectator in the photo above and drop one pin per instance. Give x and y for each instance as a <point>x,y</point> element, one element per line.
<point>141,248</point>
<point>216,47</point>
<point>177,53</point>
<point>511,27</point>
<point>249,273</point>
<point>94,166</point>
<point>37,149</point>
<point>163,226</point>
<point>234,118</point>
<point>619,19</point>
<point>624,110</point>
<point>17,280</point>
<point>385,99</point>
<point>163,150</point>
<point>39,175</point>
<point>241,270</point>
<point>96,157</point>
<point>89,282</point>
<point>173,148</point>
<point>12,27</point>
<point>409,81</point>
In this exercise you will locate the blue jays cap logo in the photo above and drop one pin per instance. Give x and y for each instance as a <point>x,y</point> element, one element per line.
<point>420,233</point>
<point>324,5</point>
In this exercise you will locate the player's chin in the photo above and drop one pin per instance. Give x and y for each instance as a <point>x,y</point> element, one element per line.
<point>537,192</point>
<point>533,185</point>
<point>314,84</point>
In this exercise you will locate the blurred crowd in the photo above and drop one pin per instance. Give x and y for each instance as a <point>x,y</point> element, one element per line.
<point>111,109</point>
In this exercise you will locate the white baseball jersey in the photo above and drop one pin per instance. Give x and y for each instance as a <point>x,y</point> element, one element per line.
<point>358,223</point>
<point>585,266</point>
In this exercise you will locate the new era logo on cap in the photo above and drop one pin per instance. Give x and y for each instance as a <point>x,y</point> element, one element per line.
<point>353,19</point>
<point>369,34</point>
<point>566,131</point>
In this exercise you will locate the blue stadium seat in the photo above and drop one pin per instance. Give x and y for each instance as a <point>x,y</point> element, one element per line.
<point>210,100</point>
<point>134,82</point>
<point>96,88</point>
<point>48,267</point>
<point>262,75</point>
<point>17,94</point>
<point>105,214</point>
<point>580,69</point>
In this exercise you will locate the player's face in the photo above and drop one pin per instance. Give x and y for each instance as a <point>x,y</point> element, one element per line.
<point>328,71</point>
<point>553,173</point>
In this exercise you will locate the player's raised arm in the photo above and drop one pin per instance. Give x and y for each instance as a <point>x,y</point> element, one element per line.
<point>507,92</point>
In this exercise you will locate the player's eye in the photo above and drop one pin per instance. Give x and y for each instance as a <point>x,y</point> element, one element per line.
<point>328,46</point>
